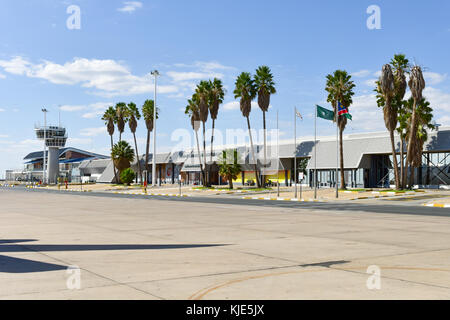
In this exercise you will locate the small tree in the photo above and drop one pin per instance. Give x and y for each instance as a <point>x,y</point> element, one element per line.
<point>127,176</point>
<point>122,155</point>
<point>302,165</point>
<point>229,166</point>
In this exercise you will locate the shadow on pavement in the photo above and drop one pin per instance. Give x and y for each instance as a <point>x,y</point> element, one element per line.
<point>17,265</point>
<point>107,247</point>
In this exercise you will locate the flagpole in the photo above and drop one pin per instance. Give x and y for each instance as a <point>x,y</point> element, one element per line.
<point>337,151</point>
<point>315,155</point>
<point>295,152</point>
<point>278,158</point>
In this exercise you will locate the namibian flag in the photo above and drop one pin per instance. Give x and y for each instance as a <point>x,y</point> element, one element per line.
<point>343,111</point>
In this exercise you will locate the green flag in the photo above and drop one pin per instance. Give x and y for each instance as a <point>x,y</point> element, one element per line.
<point>325,113</point>
<point>348,116</point>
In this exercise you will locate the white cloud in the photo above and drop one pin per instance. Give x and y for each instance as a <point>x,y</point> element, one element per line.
<point>366,114</point>
<point>16,65</point>
<point>205,66</point>
<point>361,73</point>
<point>3,136</point>
<point>186,76</point>
<point>79,141</point>
<point>2,110</point>
<point>434,78</point>
<point>439,100</point>
<point>444,120</point>
<point>179,95</point>
<point>130,6</point>
<point>95,109</point>
<point>2,76</point>
<point>69,108</point>
<point>371,82</point>
<point>30,143</point>
<point>109,77</point>
<point>235,105</point>
<point>93,132</point>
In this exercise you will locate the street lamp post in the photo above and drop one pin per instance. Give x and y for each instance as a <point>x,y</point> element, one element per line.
<point>44,174</point>
<point>155,74</point>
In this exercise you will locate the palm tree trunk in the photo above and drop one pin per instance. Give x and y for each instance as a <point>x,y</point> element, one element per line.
<point>204,155</point>
<point>407,168</point>
<point>137,156</point>
<point>200,159</point>
<point>265,148</point>
<point>147,150</point>
<point>402,162</point>
<point>411,177</point>
<point>341,160</point>
<point>412,134</point>
<point>230,182</point>
<point>212,142</point>
<point>253,153</point>
<point>394,159</point>
<point>114,166</point>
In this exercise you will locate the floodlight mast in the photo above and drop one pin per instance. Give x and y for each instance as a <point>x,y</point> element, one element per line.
<point>155,74</point>
<point>44,173</point>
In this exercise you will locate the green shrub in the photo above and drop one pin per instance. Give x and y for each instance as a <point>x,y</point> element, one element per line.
<point>127,176</point>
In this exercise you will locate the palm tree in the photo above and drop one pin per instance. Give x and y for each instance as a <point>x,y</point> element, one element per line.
<point>122,155</point>
<point>340,89</point>
<point>400,66</point>
<point>229,166</point>
<point>148,112</point>
<point>386,88</point>
<point>265,86</point>
<point>217,96</point>
<point>193,110</point>
<point>416,85</point>
<point>203,92</point>
<point>134,115</point>
<point>245,90</point>
<point>122,117</point>
<point>424,117</point>
<point>110,120</point>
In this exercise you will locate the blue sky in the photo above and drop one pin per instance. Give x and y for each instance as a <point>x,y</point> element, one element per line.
<point>43,63</point>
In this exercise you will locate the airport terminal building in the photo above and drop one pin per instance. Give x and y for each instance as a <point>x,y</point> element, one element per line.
<point>367,162</point>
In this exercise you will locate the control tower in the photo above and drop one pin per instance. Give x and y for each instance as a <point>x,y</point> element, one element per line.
<point>55,138</point>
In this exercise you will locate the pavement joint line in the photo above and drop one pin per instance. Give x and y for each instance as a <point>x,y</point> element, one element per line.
<point>200,294</point>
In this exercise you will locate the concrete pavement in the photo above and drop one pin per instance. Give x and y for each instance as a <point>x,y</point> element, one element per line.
<point>206,248</point>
